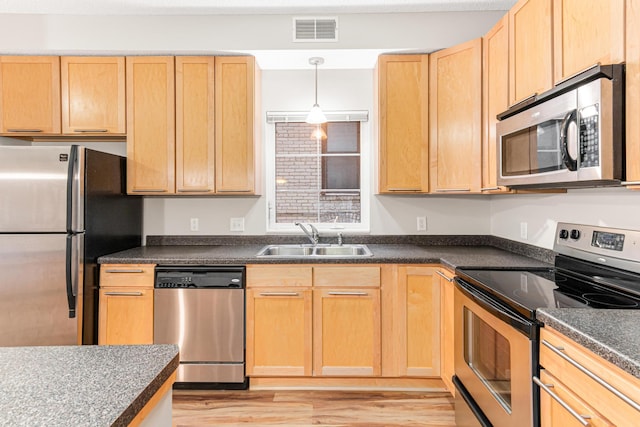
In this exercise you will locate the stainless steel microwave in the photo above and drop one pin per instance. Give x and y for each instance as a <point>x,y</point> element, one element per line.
<point>571,136</point>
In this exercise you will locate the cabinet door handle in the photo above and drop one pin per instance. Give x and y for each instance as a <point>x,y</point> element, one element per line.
<point>124,294</point>
<point>587,372</point>
<point>195,190</point>
<point>404,189</point>
<point>346,293</point>
<point>451,190</point>
<point>279,294</point>
<point>630,183</point>
<point>444,276</point>
<point>575,74</point>
<point>91,130</point>
<point>142,190</point>
<point>24,130</point>
<point>124,270</point>
<point>547,388</point>
<point>522,101</point>
<point>490,189</point>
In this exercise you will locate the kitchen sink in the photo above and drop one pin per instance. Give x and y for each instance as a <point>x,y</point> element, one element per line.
<point>319,251</point>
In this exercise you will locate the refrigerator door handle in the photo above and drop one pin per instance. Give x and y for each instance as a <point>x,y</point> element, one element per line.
<point>71,298</point>
<point>75,190</point>
<point>74,275</point>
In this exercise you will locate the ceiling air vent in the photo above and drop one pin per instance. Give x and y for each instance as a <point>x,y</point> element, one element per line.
<point>315,29</point>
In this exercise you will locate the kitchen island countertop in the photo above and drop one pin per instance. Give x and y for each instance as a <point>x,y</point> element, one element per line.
<point>90,386</point>
<point>611,334</point>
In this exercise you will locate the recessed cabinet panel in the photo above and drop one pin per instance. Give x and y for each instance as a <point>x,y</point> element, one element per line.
<point>455,93</point>
<point>530,49</point>
<point>29,95</point>
<point>150,125</point>
<point>404,122</point>
<point>93,95</point>
<point>585,36</point>
<point>195,129</point>
<point>234,94</point>
<point>632,83</point>
<point>495,99</point>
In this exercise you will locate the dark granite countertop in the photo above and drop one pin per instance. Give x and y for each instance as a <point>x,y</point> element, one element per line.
<point>90,386</point>
<point>611,334</point>
<point>451,256</point>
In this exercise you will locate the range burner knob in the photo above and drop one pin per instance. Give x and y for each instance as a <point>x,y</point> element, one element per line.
<point>564,234</point>
<point>575,234</point>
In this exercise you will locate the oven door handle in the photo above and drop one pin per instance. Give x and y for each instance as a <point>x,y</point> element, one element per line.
<point>503,313</point>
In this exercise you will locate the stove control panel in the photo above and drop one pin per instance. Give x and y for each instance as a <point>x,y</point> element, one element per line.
<point>603,245</point>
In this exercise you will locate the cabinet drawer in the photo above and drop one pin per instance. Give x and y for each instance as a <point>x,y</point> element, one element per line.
<point>278,275</point>
<point>591,377</point>
<point>349,276</point>
<point>127,275</point>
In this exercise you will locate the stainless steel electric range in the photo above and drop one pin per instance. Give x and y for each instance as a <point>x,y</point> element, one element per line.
<point>496,331</point>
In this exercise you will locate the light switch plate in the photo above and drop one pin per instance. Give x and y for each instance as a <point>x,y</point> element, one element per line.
<point>236,224</point>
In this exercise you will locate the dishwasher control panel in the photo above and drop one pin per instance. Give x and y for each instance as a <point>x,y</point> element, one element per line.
<point>179,277</point>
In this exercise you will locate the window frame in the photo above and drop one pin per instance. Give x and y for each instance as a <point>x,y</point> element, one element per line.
<point>365,172</point>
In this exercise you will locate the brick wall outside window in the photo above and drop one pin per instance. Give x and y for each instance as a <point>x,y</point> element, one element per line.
<point>299,193</point>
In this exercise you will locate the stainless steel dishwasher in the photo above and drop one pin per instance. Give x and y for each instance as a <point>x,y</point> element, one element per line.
<point>201,308</point>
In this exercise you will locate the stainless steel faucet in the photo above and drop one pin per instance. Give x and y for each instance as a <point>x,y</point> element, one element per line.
<point>313,235</point>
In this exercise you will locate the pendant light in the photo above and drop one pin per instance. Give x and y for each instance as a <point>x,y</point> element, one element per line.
<point>316,116</point>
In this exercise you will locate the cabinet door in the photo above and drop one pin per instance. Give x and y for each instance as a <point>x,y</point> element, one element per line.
<point>530,49</point>
<point>632,83</point>
<point>554,414</point>
<point>126,316</point>
<point>346,332</point>
<point>455,94</point>
<point>447,328</point>
<point>235,136</point>
<point>585,36</point>
<point>29,95</point>
<point>150,125</point>
<point>93,95</point>
<point>403,85</point>
<point>495,99</point>
<point>279,331</point>
<point>195,130</point>
<point>418,317</point>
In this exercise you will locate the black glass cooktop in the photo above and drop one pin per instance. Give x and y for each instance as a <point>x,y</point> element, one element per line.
<point>584,286</point>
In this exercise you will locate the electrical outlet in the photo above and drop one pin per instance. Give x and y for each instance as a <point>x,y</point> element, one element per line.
<point>421,223</point>
<point>194,224</point>
<point>523,230</point>
<point>236,224</point>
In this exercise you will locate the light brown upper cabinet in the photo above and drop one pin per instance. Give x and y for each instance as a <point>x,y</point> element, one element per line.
<point>495,99</point>
<point>236,128</point>
<point>195,128</point>
<point>29,95</point>
<point>530,49</point>
<point>585,34</point>
<point>93,95</point>
<point>403,90</point>
<point>633,93</point>
<point>455,121</point>
<point>150,125</point>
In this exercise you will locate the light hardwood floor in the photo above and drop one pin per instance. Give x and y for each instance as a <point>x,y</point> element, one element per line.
<point>311,408</point>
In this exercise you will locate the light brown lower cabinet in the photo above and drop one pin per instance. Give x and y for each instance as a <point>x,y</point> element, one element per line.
<point>126,304</point>
<point>579,388</point>
<point>344,321</point>
<point>346,338</point>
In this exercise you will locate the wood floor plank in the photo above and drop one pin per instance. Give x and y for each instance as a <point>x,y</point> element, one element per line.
<point>311,408</point>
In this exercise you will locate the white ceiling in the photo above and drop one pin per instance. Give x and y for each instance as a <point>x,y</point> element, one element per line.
<point>203,7</point>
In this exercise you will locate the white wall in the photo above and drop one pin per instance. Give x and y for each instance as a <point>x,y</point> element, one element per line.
<point>611,207</point>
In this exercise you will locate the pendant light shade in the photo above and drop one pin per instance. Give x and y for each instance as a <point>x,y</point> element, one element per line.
<point>316,116</point>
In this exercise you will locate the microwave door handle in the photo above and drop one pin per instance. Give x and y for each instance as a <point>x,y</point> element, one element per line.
<point>569,162</point>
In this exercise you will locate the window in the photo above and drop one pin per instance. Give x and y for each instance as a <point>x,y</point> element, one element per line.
<point>317,175</point>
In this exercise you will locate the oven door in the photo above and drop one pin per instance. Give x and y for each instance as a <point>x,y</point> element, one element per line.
<point>494,357</point>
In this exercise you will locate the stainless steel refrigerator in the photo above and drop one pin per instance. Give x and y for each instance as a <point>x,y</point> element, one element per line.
<point>60,209</point>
